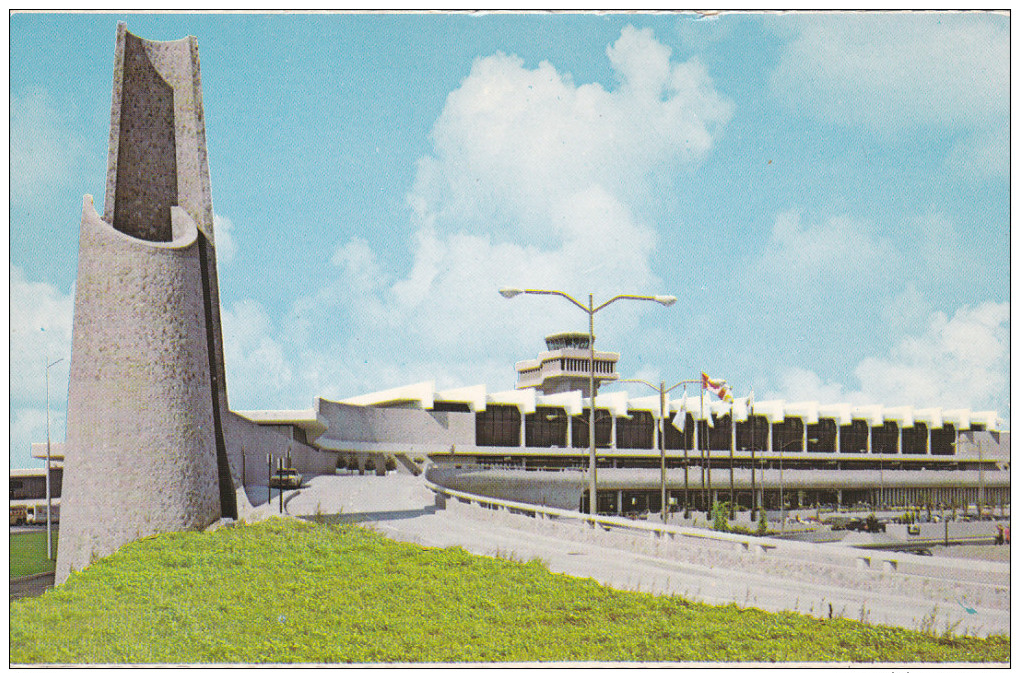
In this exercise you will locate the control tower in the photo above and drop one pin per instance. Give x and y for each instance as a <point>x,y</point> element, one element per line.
<point>564,366</point>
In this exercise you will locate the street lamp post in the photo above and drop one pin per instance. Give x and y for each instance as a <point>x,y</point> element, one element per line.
<point>663,391</point>
<point>782,498</point>
<point>754,491</point>
<point>49,501</point>
<point>591,310</point>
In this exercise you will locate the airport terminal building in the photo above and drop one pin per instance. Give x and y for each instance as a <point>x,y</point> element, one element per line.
<point>532,446</point>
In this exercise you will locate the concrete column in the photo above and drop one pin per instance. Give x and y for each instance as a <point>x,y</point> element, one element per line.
<point>523,434</point>
<point>768,437</point>
<point>803,436</point>
<point>839,497</point>
<point>655,433</point>
<point>570,431</point>
<point>899,438</point>
<point>839,436</point>
<point>612,431</point>
<point>927,439</point>
<point>619,502</point>
<point>869,438</point>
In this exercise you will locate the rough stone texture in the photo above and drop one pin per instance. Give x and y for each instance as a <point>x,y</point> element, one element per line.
<point>145,445</point>
<point>141,453</point>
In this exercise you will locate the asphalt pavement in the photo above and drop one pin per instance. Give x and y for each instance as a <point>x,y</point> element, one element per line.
<point>401,507</point>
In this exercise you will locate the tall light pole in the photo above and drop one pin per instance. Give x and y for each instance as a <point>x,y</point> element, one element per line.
<point>591,310</point>
<point>782,497</point>
<point>49,503</point>
<point>663,391</point>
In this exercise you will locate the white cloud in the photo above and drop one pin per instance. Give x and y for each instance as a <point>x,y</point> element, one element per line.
<point>896,71</point>
<point>41,319</point>
<point>258,372</point>
<point>533,180</point>
<point>40,331</point>
<point>797,384</point>
<point>962,361</point>
<point>512,144</point>
<point>43,150</point>
<point>223,230</point>
<point>837,254</point>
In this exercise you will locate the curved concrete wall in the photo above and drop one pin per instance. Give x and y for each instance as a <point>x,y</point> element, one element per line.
<point>556,488</point>
<point>418,427</point>
<point>141,451</point>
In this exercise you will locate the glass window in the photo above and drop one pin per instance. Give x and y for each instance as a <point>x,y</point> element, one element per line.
<point>885,437</point>
<point>719,436</point>
<point>943,440</point>
<point>498,425</point>
<point>822,436</point>
<point>603,428</point>
<point>759,434</point>
<point>546,427</point>
<point>915,439</point>
<point>637,432</point>
<point>854,437</point>
<point>788,435</point>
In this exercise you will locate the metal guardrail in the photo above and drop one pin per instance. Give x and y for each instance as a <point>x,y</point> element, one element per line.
<point>995,573</point>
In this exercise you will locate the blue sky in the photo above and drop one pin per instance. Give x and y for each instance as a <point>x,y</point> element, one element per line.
<point>826,194</point>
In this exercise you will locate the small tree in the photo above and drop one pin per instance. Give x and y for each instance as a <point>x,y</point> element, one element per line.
<point>719,518</point>
<point>763,522</point>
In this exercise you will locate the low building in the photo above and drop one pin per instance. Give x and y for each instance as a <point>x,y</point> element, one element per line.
<point>27,498</point>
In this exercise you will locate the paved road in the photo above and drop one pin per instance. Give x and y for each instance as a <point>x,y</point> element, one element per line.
<point>402,508</point>
<point>33,585</point>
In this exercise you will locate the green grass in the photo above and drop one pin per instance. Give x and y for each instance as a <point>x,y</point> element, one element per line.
<point>288,591</point>
<point>28,553</point>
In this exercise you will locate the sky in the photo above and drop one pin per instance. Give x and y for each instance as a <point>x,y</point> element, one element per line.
<point>827,195</point>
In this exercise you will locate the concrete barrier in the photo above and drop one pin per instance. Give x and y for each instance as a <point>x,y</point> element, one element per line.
<point>994,575</point>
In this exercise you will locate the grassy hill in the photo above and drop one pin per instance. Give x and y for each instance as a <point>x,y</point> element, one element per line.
<point>288,591</point>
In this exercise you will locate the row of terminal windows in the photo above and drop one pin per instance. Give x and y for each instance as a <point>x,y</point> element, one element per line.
<point>500,425</point>
<point>788,436</point>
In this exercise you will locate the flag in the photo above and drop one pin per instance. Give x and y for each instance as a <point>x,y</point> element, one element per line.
<point>718,387</point>
<point>680,419</point>
<point>750,402</point>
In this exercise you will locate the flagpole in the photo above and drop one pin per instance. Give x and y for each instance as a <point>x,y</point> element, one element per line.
<point>683,410</point>
<point>733,438</point>
<point>701,425</point>
<point>754,491</point>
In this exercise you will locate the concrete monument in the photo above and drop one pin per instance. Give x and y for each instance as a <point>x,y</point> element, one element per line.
<point>146,450</point>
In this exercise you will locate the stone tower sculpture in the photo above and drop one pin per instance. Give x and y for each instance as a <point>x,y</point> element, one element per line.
<point>147,396</point>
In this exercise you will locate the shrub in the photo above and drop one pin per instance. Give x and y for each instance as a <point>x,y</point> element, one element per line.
<point>719,517</point>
